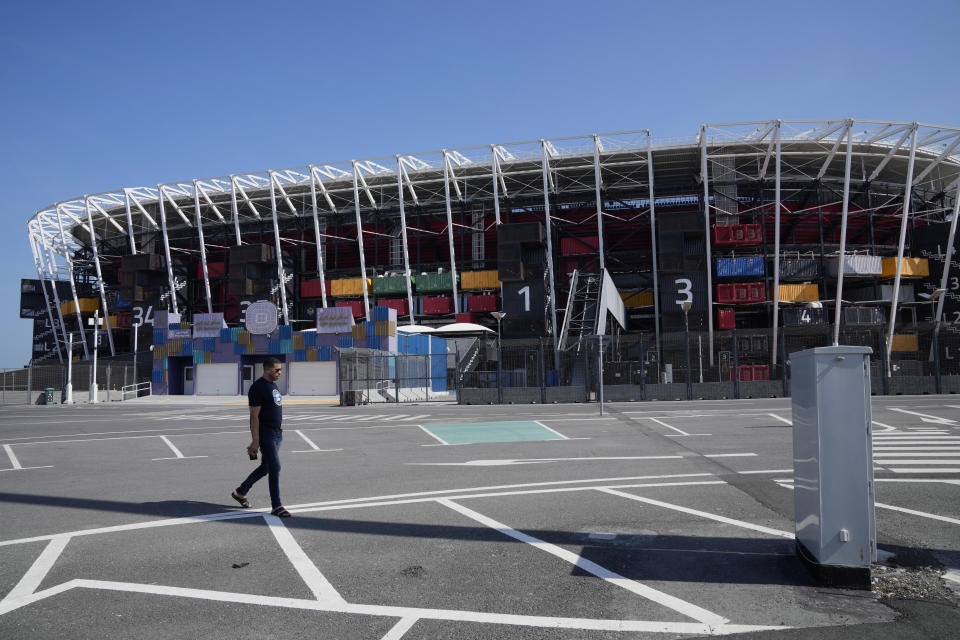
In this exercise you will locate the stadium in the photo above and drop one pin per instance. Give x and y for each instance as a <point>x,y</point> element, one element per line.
<point>689,267</point>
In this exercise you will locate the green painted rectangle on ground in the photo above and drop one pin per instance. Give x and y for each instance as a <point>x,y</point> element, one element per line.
<point>477,432</point>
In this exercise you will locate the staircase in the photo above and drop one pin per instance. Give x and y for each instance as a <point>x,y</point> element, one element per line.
<point>580,317</point>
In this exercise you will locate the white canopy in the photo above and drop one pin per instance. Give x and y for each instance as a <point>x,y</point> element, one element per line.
<point>415,328</point>
<point>463,327</point>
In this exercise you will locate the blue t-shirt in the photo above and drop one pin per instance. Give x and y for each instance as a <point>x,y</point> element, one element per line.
<point>266,395</point>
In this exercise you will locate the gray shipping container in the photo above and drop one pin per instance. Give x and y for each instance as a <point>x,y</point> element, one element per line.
<point>799,269</point>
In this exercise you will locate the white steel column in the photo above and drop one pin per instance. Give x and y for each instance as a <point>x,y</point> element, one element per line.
<point>73,284</point>
<point>653,249</point>
<point>843,232</point>
<point>46,298</point>
<point>276,239</point>
<point>96,263</point>
<point>598,185</point>
<point>706,229</point>
<point>203,248</point>
<point>403,237</point>
<point>549,222</point>
<point>233,208</point>
<point>947,258</point>
<point>166,248</point>
<point>316,233</point>
<point>776,248</point>
<point>46,260</point>
<point>903,238</point>
<point>126,200</point>
<point>453,258</point>
<point>495,162</point>
<point>363,260</point>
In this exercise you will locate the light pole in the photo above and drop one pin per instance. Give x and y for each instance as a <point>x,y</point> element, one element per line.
<point>935,347</point>
<point>499,315</point>
<point>685,305</point>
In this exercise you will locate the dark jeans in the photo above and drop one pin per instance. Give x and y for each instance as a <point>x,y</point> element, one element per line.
<point>270,440</point>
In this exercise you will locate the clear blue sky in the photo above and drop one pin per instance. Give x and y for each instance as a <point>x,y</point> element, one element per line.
<point>104,95</point>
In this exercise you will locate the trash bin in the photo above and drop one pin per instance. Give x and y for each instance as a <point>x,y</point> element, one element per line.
<point>48,395</point>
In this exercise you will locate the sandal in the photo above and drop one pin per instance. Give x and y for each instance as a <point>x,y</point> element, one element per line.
<point>243,501</point>
<point>280,512</point>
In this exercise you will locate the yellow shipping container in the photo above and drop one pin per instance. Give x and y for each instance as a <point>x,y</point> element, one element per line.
<point>799,293</point>
<point>359,332</point>
<point>243,337</point>
<point>87,305</point>
<point>311,355</point>
<point>911,268</point>
<point>385,328</point>
<point>349,286</point>
<point>637,299</point>
<point>904,342</point>
<point>475,280</point>
<point>298,341</point>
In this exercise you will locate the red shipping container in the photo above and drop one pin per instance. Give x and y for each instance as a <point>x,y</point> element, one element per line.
<point>741,292</point>
<point>214,270</point>
<point>356,305</point>
<point>311,288</point>
<point>722,235</point>
<point>579,246</point>
<point>756,292</point>
<point>752,234</point>
<point>761,372</point>
<point>467,317</point>
<point>403,309</point>
<point>725,294</point>
<point>726,319</point>
<point>481,304</point>
<point>124,320</point>
<point>436,306</point>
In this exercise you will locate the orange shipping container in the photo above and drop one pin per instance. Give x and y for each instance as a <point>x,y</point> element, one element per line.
<point>474,280</point>
<point>911,268</point>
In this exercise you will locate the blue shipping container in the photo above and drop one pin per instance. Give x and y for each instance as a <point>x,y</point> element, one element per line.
<point>736,267</point>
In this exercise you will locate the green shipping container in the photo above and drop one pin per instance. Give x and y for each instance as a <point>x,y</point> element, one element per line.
<point>392,285</point>
<point>434,283</point>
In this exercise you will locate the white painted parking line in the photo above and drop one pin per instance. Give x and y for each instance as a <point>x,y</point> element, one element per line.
<point>13,458</point>
<point>434,436</point>
<point>680,606</point>
<point>680,432</point>
<point>551,430</point>
<point>313,447</point>
<point>503,463</point>
<point>398,630</point>
<point>922,514</point>
<point>703,514</point>
<point>176,452</point>
<point>38,570</point>
<point>766,471</point>
<point>773,415</point>
<point>912,461</point>
<point>924,470</point>
<point>729,455</point>
<point>887,427</point>
<point>319,586</point>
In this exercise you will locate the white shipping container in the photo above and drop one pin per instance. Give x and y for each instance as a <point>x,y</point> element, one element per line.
<point>857,265</point>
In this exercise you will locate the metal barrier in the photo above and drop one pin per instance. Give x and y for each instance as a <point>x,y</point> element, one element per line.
<point>921,361</point>
<point>138,390</point>
<point>369,376</point>
<point>28,385</point>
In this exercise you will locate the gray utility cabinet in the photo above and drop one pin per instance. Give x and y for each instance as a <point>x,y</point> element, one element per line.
<point>833,456</point>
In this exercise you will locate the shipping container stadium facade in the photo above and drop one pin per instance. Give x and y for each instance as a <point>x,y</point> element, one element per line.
<point>770,230</point>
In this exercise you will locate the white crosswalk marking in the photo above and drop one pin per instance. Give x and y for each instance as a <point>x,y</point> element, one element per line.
<point>917,451</point>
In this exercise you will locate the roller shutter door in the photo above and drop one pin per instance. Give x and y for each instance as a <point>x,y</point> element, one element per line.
<point>216,379</point>
<point>312,378</point>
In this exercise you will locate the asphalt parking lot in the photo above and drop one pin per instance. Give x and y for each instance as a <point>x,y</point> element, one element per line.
<point>655,520</point>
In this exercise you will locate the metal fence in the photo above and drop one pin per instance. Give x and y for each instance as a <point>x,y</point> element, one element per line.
<point>369,376</point>
<point>29,385</point>
<point>633,369</point>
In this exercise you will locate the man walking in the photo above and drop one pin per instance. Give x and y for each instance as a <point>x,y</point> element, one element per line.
<point>266,416</point>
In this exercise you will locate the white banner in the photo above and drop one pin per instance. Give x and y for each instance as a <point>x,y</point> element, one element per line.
<point>207,325</point>
<point>335,320</point>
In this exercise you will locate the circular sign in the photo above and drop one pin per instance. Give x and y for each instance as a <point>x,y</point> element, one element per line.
<point>261,317</point>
